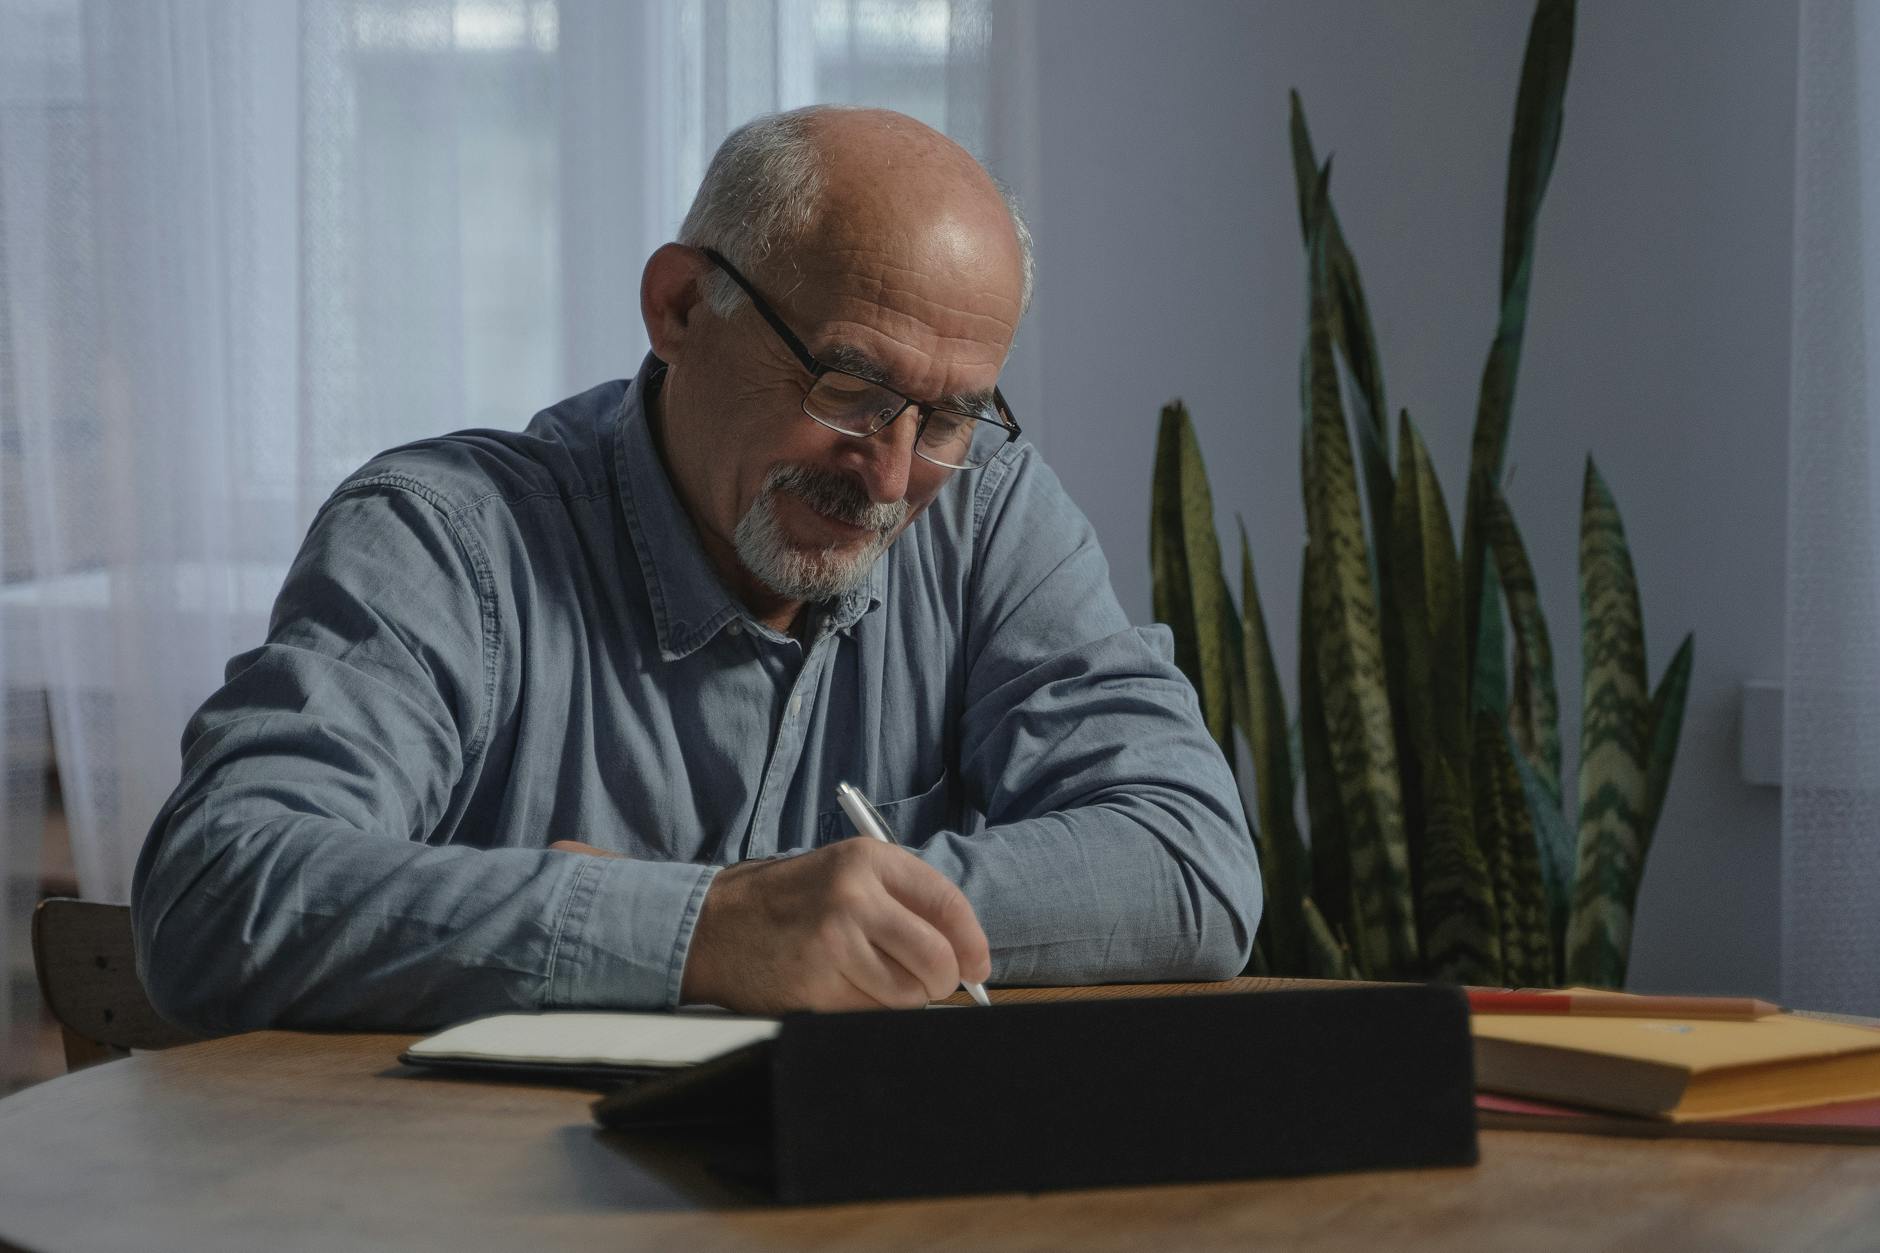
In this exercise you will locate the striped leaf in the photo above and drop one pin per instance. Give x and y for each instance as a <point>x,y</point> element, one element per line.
<point>1534,724</point>
<point>1531,149</point>
<point>1329,848</point>
<point>1461,930</point>
<point>1425,569</point>
<point>1189,591</point>
<point>1488,674</point>
<point>1533,703</point>
<point>1351,326</point>
<point>1296,746</point>
<point>1614,790</point>
<point>1349,652</point>
<point>1351,333</point>
<point>1557,857</point>
<point>1510,848</point>
<point>1282,852</point>
<point>1663,725</point>
<point>1453,892</point>
<point>1327,956</point>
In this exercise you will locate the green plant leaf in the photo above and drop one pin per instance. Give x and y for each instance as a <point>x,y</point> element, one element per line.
<point>1327,956</point>
<point>1511,849</point>
<point>1351,317</point>
<point>1555,838</point>
<point>1488,681</point>
<point>1538,114</point>
<point>1351,332</point>
<point>1296,746</point>
<point>1539,110</point>
<point>1533,702</point>
<point>1282,851</point>
<point>1614,791</point>
<point>1452,892</point>
<point>1664,723</point>
<point>1462,932</point>
<point>1424,568</point>
<point>1188,589</point>
<point>1349,652</point>
<point>1329,848</point>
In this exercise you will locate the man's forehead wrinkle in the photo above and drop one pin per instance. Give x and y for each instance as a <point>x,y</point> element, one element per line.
<point>900,300</point>
<point>873,272</point>
<point>842,332</point>
<point>906,304</point>
<point>850,359</point>
<point>907,317</point>
<point>968,400</point>
<point>930,305</point>
<point>916,303</point>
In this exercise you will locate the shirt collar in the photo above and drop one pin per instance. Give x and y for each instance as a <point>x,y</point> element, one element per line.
<point>690,604</point>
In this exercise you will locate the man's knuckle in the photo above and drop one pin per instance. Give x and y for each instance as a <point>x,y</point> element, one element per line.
<point>829,935</point>
<point>848,895</point>
<point>855,851</point>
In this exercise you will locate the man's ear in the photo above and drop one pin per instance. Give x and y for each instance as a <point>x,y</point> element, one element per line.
<point>671,298</point>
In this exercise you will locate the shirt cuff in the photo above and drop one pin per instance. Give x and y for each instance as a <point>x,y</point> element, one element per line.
<point>625,930</point>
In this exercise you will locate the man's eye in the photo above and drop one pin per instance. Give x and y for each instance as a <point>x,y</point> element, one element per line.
<point>945,428</point>
<point>840,388</point>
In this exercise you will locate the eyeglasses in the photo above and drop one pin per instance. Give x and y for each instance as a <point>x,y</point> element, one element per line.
<point>860,407</point>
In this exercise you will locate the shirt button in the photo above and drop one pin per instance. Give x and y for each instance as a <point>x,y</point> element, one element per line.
<point>796,706</point>
<point>736,628</point>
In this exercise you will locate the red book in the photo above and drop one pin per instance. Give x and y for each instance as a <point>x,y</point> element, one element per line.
<point>1617,1004</point>
<point>1848,1122</point>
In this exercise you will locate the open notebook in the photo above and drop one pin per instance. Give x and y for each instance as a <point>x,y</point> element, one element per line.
<point>587,1047</point>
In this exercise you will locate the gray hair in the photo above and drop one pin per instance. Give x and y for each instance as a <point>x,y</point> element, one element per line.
<point>761,192</point>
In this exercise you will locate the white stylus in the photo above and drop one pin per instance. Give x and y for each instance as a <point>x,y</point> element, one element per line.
<point>869,822</point>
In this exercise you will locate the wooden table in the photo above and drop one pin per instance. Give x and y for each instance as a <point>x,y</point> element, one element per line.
<point>284,1141</point>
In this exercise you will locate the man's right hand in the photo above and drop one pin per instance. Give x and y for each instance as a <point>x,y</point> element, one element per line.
<point>855,925</point>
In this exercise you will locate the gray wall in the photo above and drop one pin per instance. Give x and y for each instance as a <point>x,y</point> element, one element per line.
<point>1170,264</point>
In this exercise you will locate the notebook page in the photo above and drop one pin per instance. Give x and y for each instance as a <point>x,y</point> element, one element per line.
<point>596,1039</point>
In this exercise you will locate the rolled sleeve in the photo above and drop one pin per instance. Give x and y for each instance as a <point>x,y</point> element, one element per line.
<point>625,932</point>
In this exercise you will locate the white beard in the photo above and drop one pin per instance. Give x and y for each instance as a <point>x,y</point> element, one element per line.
<point>813,574</point>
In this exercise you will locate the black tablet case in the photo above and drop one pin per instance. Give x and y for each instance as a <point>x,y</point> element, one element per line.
<point>1071,1094</point>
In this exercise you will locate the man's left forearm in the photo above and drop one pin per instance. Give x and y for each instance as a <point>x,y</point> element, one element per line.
<point>1152,885</point>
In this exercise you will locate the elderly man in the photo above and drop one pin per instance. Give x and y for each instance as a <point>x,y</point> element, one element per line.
<point>554,719</point>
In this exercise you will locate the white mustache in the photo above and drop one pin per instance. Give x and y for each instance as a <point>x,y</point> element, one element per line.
<point>836,496</point>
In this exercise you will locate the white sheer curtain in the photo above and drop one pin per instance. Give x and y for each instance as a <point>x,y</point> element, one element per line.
<point>245,244</point>
<point>1831,773</point>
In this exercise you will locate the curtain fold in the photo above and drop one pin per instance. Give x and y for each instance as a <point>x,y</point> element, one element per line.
<point>1831,751</point>
<point>245,246</point>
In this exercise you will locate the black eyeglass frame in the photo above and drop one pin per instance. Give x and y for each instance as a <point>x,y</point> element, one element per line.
<point>817,369</point>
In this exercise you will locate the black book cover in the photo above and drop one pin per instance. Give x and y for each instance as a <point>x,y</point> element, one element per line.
<point>1070,1094</point>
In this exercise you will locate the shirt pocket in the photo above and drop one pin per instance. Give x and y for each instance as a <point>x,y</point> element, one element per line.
<point>913,820</point>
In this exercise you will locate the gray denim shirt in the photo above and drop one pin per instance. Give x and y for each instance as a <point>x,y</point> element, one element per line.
<point>493,640</point>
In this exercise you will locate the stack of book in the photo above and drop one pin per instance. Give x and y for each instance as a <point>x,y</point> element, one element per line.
<point>1709,1067</point>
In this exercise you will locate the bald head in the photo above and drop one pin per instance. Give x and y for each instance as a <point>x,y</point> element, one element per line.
<point>816,185</point>
<point>889,266</point>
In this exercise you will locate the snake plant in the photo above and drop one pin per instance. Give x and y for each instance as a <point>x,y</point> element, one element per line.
<point>1427,737</point>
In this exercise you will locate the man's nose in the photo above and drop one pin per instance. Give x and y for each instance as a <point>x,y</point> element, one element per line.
<point>886,458</point>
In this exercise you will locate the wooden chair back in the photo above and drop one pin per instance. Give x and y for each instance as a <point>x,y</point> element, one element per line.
<point>88,975</point>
